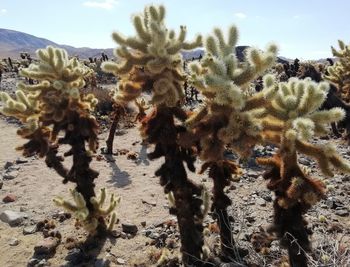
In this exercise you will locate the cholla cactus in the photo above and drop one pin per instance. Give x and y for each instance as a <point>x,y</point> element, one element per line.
<point>152,61</point>
<point>55,104</point>
<point>152,55</point>
<point>81,212</point>
<point>230,110</point>
<point>339,73</point>
<point>53,101</point>
<point>291,120</point>
<point>229,115</point>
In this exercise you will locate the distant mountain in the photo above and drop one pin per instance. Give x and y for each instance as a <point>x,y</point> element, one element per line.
<point>12,43</point>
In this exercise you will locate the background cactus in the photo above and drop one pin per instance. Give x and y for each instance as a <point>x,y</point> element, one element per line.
<point>53,105</point>
<point>339,73</point>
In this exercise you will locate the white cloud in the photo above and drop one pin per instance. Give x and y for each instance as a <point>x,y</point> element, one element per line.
<point>3,11</point>
<point>296,17</point>
<point>105,4</point>
<point>240,15</point>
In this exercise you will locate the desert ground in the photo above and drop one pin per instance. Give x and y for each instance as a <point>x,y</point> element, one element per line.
<point>28,187</point>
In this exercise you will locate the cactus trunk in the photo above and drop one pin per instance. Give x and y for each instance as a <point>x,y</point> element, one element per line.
<point>84,176</point>
<point>186,206</point>
<point>161,130</point>
<point>110,139</point>
<point>293,233</point>
<point>289,222</point>
<point>219,206</point>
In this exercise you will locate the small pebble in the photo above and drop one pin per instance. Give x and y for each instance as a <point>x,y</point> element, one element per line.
<point>13,242</point>
<point>9,198</point>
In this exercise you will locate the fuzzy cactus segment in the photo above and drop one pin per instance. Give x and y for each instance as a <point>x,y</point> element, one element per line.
<point>293,115</point>
<point>151,57</point>
<point>229,113</point>
<point>220,76</point>
<point>89,220</point>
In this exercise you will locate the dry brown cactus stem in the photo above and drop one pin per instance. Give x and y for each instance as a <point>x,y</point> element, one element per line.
<point>221,173</point>
<point>160,128</point>
<point>288,223</point>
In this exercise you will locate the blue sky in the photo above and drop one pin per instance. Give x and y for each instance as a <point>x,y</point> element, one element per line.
<point>301,28</point>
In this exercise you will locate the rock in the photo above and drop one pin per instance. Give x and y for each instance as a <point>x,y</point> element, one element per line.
<point>9,198</point>
<point>102,263</point>
<point>13,218</point>
<point>120,261</point>
<point>304,161</point>
<point>334,203</point>
<point>171,243</point>
<point>46,246</point>
<point>266,195</point>
<point>261,202</point>
<point>116,233</point>
<point>149,202</point>
<point>129,228</point>
<point>143,224</point>
<point>42,263</point>
<point>253,174</point>
<point>345,178</point>
<point>10,175</point>
<point>1,182</point>
<point>75,256</point>
<point>123,235</point>
<point>7,165</point>
<point>21,160</point>
<point>232,187</point>
<point>31,229</point>
<point>342,213</point>
<point>13,242</point>
<point>250,219</point>
<point>153,235</point>
<point>132,155</point>
<point>33,262</point>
